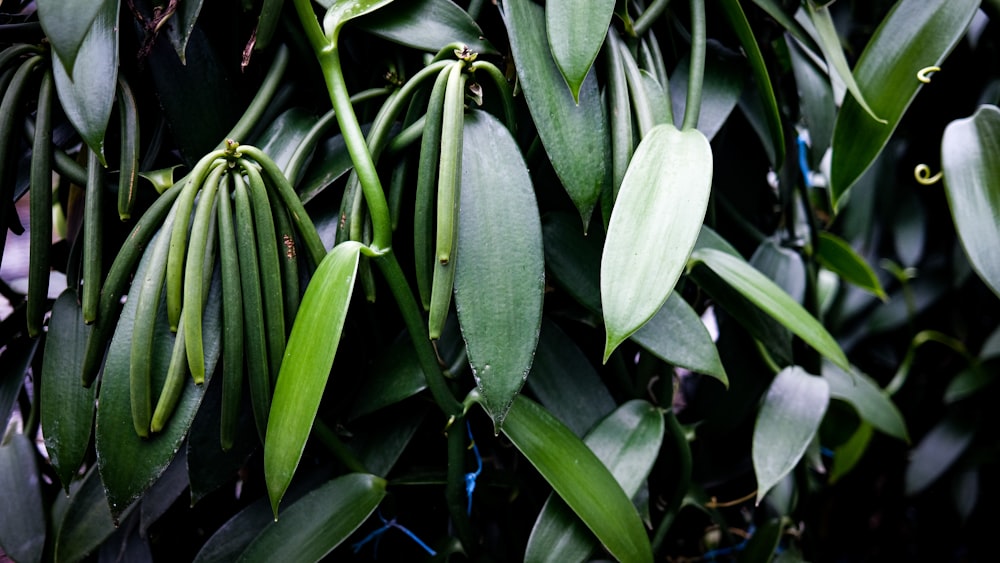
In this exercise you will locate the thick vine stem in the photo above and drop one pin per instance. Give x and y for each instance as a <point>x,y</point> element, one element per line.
<point>455,492</point>
<point>696,78</point>
<point>650,15</point>
<point>263,97</point>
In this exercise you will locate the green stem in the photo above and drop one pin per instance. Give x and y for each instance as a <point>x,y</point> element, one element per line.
<point>455,489</point>
<point>260,101</point>
<point>646,19</point>
<point>314,33</point>
<point>696,78</point>
<point>506,97</point>
<point>337,447</point>
<point>683,451</point>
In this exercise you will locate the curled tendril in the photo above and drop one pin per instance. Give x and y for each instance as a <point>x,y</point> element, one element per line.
<point>924,74</point>
<point>922,173</point>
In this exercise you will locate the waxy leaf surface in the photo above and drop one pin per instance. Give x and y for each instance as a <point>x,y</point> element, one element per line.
<point>576,31</point>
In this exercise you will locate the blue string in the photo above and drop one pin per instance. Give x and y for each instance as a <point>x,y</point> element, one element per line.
<point>711,555</point>
<point>803,161</point>
<point>377,535</point>
<point>470,478</point>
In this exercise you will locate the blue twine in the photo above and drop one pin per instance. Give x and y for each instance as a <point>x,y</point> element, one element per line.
<point>712,554</point>
<point>470,478</point>
<point>377,535</point>
<point>803,161</point>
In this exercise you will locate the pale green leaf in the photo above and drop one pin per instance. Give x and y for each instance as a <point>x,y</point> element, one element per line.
<point>500,271</point>
<point>340,12</point>
<point>579,478</point>
<point>868,399</point>
<point>654,226</point>
<point>306,365</point>
<point>576,31</point>
<point>67,23</point>
<point>427,25</point>
<point>786,423</point>
<point>970,158</point>
<point>837,256</point>
<point>916,34</point>
<point>763,293</point>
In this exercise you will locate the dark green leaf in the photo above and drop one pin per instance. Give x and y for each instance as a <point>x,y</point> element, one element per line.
<point>848,454</point>
<point>871,403</point>
<point>88,93</point>
<point>970,381</point>
<point>22,522</point>
<point>970,157</point>
<point>576,31</point>
<point>427,25</point>
<point>281,138</point>
<point>654,226</point>
<point>817,107</point>
<point>938,451</point>
<point>575,136</point>
<point>786,423</point>
<point>162,495</point>
<point>18,355</point>
<point>67,24</point>
<point>725,78</point>
<point>580,478</point>
<point>627,442</point>
<point>306,366</point>
<point>86,522</point>
<point>340,12</point>
<point>312,526</point>
<point>763,543</point>
<point>837,256</point>
<point>67,408</point>
<point>396,375</point>
<point>676,335</point>
<point>774,9</point>
<point>181,26</point>
<point>500,273</point>
<point>916,34</point>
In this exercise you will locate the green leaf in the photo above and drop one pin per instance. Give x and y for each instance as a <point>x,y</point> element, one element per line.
<point>837,256</point>
<point>22,522</point>
<point>305,368</point>
<point>67,408</point>
<point>970,158</point>
<point>395,375</point>
<point>654,226</point>
<point>724,81</point>
<point>576,31</point>
<point>763,293</point>
<point>829,43</point>
<point>916,34</point>
<point>774,9</point>
<point>676,335</point>
<point>88,94</point>
<point>580,478</point>
<point>939,450</point>
<point>848,454</point>
<point>427,25</point>
<point>575,135</point>
<point>627,442</point>
<point>66,25</point>
<point>871,402</point>
<point>86,522</point>
<point>738,21</point>
<point>182,24</point>
<point>500,273</point>
<point>129,465</point>
<point>340,12</point>
<point>312,526</point>
<point>817,105</point>
<point>786,423</point>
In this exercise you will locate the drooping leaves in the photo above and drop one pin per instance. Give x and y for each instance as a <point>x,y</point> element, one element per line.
<point>970,159</point>
<point>870,402</point>
<point>837,256</point>
<point>786,423</point>
<point>427,25</point>
<point>66,25</point>
<point>576,31</point>
<point>916,34</point>
<point>500,272</point>
<point>654,226</point>
<point>306,365</point>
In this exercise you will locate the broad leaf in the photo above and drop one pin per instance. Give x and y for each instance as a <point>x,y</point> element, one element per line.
<point>22,522</point>
<point>427,25</point>
<point>654,226</point>
<point>579,477</point>
<point>86,522</point>
<point>395,375</point>
<point>916,34</point>
<point>500,272</point>
<point>340,12</point>
<point>837,256</point>
<point>627,442</point>
<point>786,423</point>
<point>305,368</point>
<point>309,528</point>
<point>773,300</point>
<point>938,450</point>
<point>817,106</point>
<point>575,135</point>
<point>970,157</point>
<point>67,408</point>
<point>576,31</point>
<point>66,25</point>
<point>676,335</point>
<point>725,78</point>
<point>182,24</point>
<point>88,94</point>
<point>871,402</point>
<point>128,464</point>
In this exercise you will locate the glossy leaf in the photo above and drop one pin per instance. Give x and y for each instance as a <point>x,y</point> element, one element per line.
<point>129,465</point>
<point>868,399</point>
<point>676,335</point>
<point>575,135</point>
<point>817,106</point>
<point>66,25</point>
<point>312,526</point>
<point>970,158</point>
<point>181,26</point>
<point>22,522</point>
<point>395,375</point>
<point>916,34</point>
<point>500,272</point>
<point>580,479</point>
<point>67,408</point>
<point>837,256</point>
<point>763,293</point>
<point>86,522</point>
<point>627,442</point>
<point>306,365</point>
<point>786,423</point>
<point>793,27</point>
<point>576,31</point>
<point>88,94</point>
<point>427,25</point>
<point>654,226</point>
<point>340,12</point>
